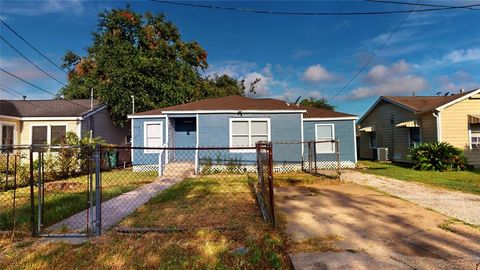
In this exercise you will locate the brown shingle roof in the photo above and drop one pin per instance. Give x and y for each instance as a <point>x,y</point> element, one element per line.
<point>240,103</point>
<point>47,108</point>
<point>424,103</point>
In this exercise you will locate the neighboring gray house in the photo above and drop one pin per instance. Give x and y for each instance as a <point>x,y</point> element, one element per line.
<point>237,121</point>
<point>26,122</point>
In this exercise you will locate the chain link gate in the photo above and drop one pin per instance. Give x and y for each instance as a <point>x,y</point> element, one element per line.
<point>50,187</point>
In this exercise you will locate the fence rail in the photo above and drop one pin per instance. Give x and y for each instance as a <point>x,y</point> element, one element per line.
<point>85,190</point>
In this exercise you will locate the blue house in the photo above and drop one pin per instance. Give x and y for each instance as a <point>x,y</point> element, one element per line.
<point>237,121</point>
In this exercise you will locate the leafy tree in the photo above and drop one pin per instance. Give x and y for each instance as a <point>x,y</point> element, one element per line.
<point>317,103</point>
<point>141,55</point>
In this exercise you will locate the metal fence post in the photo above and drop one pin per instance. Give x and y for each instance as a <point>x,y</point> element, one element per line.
<point>337,153</point>
<point>270,184</point>
<point>98,190</point>
<point>32,196</point>
<point>40,184</point>
<point>315,156</point>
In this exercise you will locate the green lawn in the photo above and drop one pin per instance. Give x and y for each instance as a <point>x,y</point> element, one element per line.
<point>197,205</point>
<point>466,181</point>
<point>64,198</point>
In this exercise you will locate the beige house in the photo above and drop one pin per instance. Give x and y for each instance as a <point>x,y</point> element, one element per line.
<point>26,122</point>
<point>399,122</point>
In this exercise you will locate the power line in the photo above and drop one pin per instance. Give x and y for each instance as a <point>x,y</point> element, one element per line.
<point>373,56</point>
<point>9,92</point>
<point>27,82</point>
<point>10,89</point>
<point>410,4</point>
<point>30,61</point>
<point>31,46</point>
<point>349,13</point>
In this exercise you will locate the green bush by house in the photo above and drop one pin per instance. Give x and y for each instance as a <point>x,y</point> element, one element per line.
<point>437,157</point>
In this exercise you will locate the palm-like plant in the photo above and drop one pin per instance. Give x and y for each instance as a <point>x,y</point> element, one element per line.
<point>437,157</point>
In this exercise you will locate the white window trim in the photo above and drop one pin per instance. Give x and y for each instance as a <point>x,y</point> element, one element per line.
<point>49,131</point>
<point>249,120</point>
<point>470,137</point>
<point>14,125</point>
<point>333,138</point>
<point>151,151</point>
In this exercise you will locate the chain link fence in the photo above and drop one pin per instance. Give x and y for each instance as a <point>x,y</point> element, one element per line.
<point>84,190</point>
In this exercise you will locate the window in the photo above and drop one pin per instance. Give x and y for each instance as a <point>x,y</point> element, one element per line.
<point>39,135</point>
<point>325,132</point>
<point>52,135</point>
<point>414,136</point>
<point>57,135</point>
<point>153,136</point>
<point>247,132</point>
<point>7,137</point>
<point>475,136</point>
<point>372,139</point>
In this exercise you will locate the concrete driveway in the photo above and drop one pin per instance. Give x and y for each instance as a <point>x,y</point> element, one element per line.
<point>366,229</point>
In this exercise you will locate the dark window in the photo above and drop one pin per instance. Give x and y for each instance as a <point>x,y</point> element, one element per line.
<point>415,138</point>
<point>7,138</point>
<point>57,134</point>
<point>372,139</point>
<point>39,135</point>
<point>475,136</point>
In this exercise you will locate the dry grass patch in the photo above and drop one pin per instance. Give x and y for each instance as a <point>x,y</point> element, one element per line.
<point>323,244</point>
<point>302,179</point>
<point>196,204</point>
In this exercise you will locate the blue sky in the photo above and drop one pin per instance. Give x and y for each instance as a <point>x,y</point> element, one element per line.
<point>292,55</point>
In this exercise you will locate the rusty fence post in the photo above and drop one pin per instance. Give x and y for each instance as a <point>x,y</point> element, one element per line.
<point>339,164</point>
<point>270,184</point>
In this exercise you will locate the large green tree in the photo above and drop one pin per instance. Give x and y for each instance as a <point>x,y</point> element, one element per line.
<point>141,55</point>
<point>317,103</point>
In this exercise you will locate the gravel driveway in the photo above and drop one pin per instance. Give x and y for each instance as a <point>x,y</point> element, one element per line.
<point>463,206</point>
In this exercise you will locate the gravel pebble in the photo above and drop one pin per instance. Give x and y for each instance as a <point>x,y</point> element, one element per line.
<point>459,205</point>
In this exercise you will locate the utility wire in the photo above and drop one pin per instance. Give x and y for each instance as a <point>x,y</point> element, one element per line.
<point>31,46</point>
<point>413,4</point>
<point>10,89</point>
<point>373,56</point>
<point>27,82</point>
<point>348,13</point>
<point>41,89</point>
<point>9,92</point>
<point>30,61</point>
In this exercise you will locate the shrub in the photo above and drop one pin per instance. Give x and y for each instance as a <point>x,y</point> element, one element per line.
<point>437,157</point>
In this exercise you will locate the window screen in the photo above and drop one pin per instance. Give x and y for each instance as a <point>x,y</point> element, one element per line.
<point>39,135</point>
<point>325,133</point>
<point>57,135</point>
<point>7,138</point>
<point>246,133</point>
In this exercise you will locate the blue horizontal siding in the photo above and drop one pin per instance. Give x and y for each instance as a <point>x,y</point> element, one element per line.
<point>139,157</point>
<point>344,132</point>
<point>214,131</point>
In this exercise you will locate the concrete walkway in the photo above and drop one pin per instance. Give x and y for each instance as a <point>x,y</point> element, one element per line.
<point>115,209</point>
<point>459,205</point>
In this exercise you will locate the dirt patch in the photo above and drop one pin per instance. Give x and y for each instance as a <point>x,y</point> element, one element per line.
<point>371,222</point>
<point>64,186</point>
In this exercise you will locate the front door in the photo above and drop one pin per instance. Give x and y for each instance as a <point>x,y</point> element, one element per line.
<point>185,135</point>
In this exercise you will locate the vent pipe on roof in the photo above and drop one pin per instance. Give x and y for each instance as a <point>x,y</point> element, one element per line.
<point>24,97</point>
<point>462,90</point>
<point>413,93</point>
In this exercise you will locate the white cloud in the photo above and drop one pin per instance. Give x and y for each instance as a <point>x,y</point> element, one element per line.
<point>317,73</point>
<point>462,55</point>
<point>232,68</point>
<point>27,8</point>
<point>456,81</point>
<point>394,79</point>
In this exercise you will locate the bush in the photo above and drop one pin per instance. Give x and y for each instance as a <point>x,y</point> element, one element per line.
<point>438,157</point>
